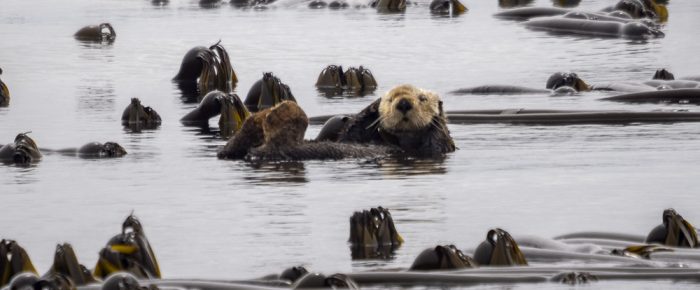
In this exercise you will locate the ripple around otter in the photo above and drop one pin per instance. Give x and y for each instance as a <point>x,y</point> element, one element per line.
<point>209,218</point>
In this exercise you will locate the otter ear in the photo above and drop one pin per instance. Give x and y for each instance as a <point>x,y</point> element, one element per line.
<point>442,113</point>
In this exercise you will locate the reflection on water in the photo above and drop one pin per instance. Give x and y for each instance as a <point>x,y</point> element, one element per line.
<point>96,96</point>
<point>190,92</point>
<point>101,52</point>
<point>360,252</point>
<point>22,174</point>
<point>566,3</point>
<point>275,173</point>
<point>160,3</point>
<point>342,93</point>
<point>515,3</point>
<point>401,168</point>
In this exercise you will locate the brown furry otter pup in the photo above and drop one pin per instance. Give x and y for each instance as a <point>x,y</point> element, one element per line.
<point>407,117</point>
<point>277,134</point>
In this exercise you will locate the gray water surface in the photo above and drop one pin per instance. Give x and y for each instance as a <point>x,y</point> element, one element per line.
<point>210,218</point>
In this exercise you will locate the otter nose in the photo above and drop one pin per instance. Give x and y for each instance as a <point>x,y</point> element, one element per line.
<point>404,106</point>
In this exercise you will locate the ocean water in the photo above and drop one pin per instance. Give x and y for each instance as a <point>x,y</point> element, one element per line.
<point>218,219</point>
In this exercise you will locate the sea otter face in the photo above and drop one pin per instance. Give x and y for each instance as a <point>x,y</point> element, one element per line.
<point>407,108</point>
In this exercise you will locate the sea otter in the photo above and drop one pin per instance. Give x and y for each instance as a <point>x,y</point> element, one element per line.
<point>4,93</point>
<point>332,127</point>
<point>407,118</point>
<point>277,134</point>
<point>407,121</point>
<point>102,32</point>
<point>22,151</point>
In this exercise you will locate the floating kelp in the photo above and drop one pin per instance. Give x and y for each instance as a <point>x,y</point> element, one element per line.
<point>137,117</point>
<point>13,260</point>
<point>128,251</point>
<point>267,93</point>
<point>228,106</point>
<point>22,151</point>
<point>373,234</point>
<point>207,69</point>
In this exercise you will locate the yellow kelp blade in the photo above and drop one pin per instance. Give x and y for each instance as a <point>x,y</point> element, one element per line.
<point>662,12</point>
<point>458,7</point>
<point>124,249</point>
<point>645,251</point>
<point>582,86</point>
<point>5,90</point>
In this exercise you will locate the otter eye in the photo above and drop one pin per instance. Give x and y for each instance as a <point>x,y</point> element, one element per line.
<point>422,98</point>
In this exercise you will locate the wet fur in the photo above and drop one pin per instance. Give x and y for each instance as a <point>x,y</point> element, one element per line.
<point>421,131</point>
<point>276,134</point>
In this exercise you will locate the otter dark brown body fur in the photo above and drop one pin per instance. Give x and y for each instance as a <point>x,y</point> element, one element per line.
<point>277,134</point>
<point>313,150</point>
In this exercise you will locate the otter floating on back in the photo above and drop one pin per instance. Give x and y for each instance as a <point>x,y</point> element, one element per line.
<point>277,134</point>
<point>407,118</point>
<point>407,121</point>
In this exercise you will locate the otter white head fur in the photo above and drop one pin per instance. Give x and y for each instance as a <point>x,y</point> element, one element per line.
<point>408,108</point>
